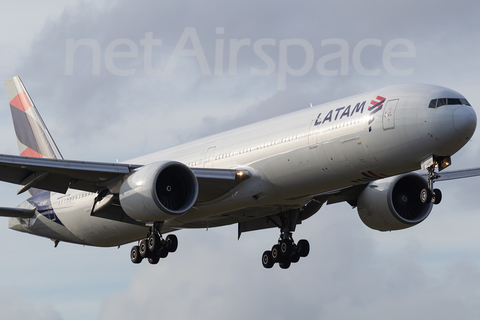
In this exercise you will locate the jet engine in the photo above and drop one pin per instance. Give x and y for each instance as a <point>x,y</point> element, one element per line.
<point>159,191</point>
<point>393,203</point>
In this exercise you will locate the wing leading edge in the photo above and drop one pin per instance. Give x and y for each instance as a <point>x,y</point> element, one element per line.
<point>59,175</point>
<point>17,212</point>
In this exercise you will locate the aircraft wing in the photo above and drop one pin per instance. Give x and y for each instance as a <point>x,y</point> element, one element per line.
<point>58,175</point>
<point>17,212</point>
<point>458,174</point>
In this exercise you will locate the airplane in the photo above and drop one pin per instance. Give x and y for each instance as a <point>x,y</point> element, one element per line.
<point>363,150</point>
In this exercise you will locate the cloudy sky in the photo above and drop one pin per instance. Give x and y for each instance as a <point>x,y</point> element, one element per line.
<point>107,81</point>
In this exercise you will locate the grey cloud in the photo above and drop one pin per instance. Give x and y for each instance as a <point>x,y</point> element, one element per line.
<point>352,272</point>
<point>345,276</point>
<point>14,306</point>
<point>90,105</point>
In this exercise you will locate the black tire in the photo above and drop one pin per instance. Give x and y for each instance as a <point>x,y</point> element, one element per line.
<point>163,253</point>
<point>143,250</point>
<point>303,248</point>
<point>267,260</point>
<point>276,254</point>
<point>135,255</point>
<point>295,257</point>
<point>426,196</point>
<point>154,259</point>
<point>285,264</point>
<point>437,198</point>
<point>154,243</point>
<point>286,248</point>
<point>172,242</point>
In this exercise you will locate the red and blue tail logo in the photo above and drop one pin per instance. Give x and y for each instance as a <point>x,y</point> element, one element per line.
<point>33,137</point>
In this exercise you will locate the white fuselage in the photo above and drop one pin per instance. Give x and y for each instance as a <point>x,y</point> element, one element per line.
<point>293,157</point>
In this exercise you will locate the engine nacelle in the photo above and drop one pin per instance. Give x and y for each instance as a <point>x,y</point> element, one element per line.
<point>393,203</point>
<point>159,191</point>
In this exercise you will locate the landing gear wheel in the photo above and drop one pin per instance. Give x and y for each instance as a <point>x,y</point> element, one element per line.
<point>135,255</point>
<point>425,195</point>
<point>437,196</point>
<point>286,248</point>
<point>286,251</point>
<point>154,259</point>
<point>276,254</point>
<point>154,242</point>
<point>172,243</point>
<point>154,246</point>
<point>267,259</point>
<point>295,257</point>
<point>143,250</point>
<point>163,253</point>
<point>303,248</point>
<point>285,264</point>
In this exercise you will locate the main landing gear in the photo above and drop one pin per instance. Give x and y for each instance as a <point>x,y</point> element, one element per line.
<point>286,252</point>
<point>154,246</point>
<point>430,194</point>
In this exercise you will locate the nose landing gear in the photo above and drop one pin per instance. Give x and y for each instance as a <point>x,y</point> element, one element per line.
<point>430,194</point>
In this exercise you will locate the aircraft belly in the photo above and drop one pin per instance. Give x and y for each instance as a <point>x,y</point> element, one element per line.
<point>43,227</point>
<point>98,231</point>
<point>112,233</point>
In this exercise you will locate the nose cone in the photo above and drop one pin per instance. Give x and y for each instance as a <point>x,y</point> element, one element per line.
<point>465,120</point>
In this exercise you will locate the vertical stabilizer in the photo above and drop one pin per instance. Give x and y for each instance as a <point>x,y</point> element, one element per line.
<point>33,137</point>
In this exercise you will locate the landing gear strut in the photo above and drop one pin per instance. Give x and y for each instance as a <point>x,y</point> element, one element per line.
<point>154,246</point>
<point>430,194</point>
<point>286,251</point>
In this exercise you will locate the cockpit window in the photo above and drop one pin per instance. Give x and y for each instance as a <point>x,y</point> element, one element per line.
<point>436,103</point>
<point>453,101</point>
<point>441,102</point>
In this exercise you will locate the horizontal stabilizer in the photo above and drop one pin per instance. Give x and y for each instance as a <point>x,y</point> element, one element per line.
<point>16,212</point>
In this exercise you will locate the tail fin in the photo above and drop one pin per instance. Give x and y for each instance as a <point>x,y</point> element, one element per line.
<point>33,137</point>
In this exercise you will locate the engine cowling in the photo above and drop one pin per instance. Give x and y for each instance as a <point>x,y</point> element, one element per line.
<point>393,203</point>
<point>159,191</point>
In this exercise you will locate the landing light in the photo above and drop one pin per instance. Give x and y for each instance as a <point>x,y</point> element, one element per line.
<point>243,175</point>
<point>443,162</point>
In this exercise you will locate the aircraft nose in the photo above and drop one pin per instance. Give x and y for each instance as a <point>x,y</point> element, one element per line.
<point>465,120</point>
